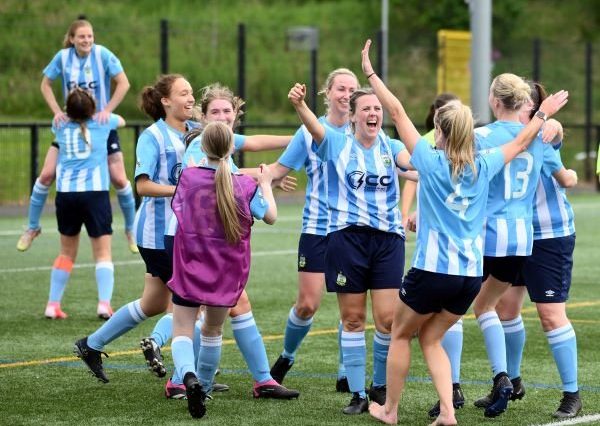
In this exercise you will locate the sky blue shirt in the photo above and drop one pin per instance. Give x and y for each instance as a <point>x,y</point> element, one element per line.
<point>509,229</point>
<point>553,215</point>
<point>451,213</point>
<point>158,155</point>
<point>82,166</point>
<point>302,152</point>
<point>93,72</point>
<point>362,184</point>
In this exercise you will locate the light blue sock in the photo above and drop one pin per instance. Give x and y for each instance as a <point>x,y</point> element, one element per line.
<point>208,360</point>
<point>514,338</point>
<point>58,281</point>
<point>163,330</point>
<point>197,336</point>
<point>381,346</point>
<point>105,280</point>
<point>295,331</point>
<point>39,194</point>
<point>182,350</point>
<point>354,348</point>
<point>127,204</point>
<point>563,344</point>
<point>493,335</point>
<point>452,344</point>
<point>126,318</point>
<point>341,368</point>
<point>251,346</point>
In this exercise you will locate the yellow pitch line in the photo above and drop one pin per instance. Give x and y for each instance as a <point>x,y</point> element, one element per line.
<point>279,337</point>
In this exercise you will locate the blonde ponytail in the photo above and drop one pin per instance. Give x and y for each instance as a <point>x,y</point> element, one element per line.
<point>217,143</point>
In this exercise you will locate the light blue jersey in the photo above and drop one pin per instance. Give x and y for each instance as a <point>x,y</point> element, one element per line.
<point>451,213</point>
<point>92,73</point>
<point>552,213</point>
<point>159,153</point>
<point>302,151</point>
<point>362,184</point>
<point>194,156</point>
<point>509,229</point>
<point>82,164</point>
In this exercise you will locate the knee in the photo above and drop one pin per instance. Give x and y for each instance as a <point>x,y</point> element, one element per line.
<point>354,323</point>
<point>551,319</point>
<point>47,177</point>
<point>306,309</point>
<point>119,180</point>
<point>212,330</point>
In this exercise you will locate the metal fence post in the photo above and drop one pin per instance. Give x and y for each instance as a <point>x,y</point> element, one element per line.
<point>164,46</point>
<point>35,143</point>
<point>536,73</point>
<point>241,82</point>
<point>588,110</point>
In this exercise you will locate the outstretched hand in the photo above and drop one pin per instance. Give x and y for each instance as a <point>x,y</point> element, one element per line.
<point>286,183</point>
<point>366,62</point>
<point>553,103</point>
<point>297,93</point>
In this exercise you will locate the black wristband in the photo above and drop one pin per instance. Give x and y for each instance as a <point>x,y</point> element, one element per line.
<point>371,75</point>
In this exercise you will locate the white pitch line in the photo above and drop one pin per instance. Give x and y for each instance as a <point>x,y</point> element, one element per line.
<point>576,421</point>
<point>134,262</point>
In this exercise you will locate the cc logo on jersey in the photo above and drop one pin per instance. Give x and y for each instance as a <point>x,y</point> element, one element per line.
<point>92,85</point>
<point>175,173</point>
<point>357,178</point>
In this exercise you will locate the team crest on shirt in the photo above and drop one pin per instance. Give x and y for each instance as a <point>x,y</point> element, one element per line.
<point>301,261</point>
<point>387,160</point>
<point>174,175</point>
<point>87,69</point>
<point>341,279</point>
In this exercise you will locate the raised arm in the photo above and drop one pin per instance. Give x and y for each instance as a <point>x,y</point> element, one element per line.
<point>406,129</point>
<point>265,142</point>
<point>551,105</point>
<point>296,97</point>
<point>264,182</point>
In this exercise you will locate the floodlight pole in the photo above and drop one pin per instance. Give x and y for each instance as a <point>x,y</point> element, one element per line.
<point>481,57</point>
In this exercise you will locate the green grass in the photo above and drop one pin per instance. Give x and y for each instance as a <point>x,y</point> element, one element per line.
<point>43,383</point>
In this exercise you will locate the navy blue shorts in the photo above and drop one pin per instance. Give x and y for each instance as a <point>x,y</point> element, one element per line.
<point>183,302</point>
<point>158,263</point>
<point>506,269</point>
<point>361,258</point>
<point>426,292</point>
<point>113,142</point>
<point>311,253</point>
<point>91,209</point>
<point>547,272</point>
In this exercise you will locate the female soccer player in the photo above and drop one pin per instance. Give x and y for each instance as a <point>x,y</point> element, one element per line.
<point>365,246</point>
<point>547,277</point>
<point>214,212</point>
<point>339,86</point>
<point>508,231</point>
<point>170,102</point>
<point>218,104</point>
<point>82,198</point>
<point>84,64</point>
<point>448,261</point>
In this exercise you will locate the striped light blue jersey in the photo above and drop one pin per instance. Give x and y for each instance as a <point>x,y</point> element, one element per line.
<point>92,72</point>
<point>159,153</point>
<point>82,165</point>
<point>509,229</point>
<point>194,156</point>
<point>362,184</point>
<point>302,151</point>
<point>552,213</point>
<point>451,213</point>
